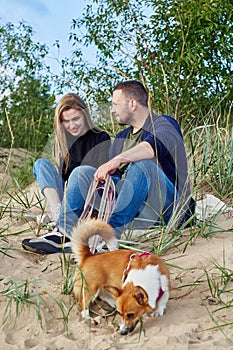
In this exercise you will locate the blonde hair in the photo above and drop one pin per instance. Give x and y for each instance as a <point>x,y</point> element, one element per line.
<point>69,101</point>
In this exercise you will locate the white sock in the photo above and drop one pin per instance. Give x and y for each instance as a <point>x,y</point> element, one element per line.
<point>55,211</point>
<point>54,202</point>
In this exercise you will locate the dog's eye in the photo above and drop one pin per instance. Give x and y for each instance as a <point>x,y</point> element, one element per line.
<point>130,315</point>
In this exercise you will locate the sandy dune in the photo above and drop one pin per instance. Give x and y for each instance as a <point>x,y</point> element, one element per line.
<point>55,324</point>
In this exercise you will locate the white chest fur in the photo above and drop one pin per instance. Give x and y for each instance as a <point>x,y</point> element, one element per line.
<point>150,280</point>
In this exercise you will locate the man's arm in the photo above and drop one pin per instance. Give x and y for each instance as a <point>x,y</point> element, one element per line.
<point>139,152</point>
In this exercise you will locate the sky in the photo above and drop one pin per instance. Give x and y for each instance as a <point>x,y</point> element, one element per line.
<point>50,20</point>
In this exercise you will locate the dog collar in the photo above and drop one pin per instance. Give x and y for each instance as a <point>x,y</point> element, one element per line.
<point>142,255</point>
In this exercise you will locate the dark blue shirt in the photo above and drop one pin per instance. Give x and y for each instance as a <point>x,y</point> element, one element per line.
<point>164,135</point>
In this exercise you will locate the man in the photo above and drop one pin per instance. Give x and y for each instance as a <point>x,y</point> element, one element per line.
<point>148,165</point>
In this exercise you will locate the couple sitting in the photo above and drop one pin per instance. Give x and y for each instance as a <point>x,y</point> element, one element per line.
<point>147,162</point>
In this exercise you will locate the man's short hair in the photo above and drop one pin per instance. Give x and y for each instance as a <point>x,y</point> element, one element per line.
<point>134,89</point>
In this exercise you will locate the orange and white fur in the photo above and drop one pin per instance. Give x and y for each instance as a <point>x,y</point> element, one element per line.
<point>138,282</point>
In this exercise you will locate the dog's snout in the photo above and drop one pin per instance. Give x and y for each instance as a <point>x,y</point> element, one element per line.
<point>126,330</point>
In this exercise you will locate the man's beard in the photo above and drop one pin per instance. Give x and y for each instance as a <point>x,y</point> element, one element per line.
<point>122,123</point>
<point>125,122</point>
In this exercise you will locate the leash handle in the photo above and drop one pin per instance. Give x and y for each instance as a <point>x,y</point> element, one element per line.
<point>106,207</point>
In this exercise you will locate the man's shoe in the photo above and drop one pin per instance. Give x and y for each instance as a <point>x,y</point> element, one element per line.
<point>50,243</point>
<point>101,247</point>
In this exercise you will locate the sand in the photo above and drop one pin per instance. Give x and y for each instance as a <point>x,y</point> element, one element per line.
<point>50,319</point>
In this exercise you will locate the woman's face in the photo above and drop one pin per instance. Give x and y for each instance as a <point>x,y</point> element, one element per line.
<point>74,122</point>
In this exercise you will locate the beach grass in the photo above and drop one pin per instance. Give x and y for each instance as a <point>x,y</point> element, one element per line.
<point>210,148</point>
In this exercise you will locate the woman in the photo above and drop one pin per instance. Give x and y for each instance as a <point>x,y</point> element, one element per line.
<point>77,142</point>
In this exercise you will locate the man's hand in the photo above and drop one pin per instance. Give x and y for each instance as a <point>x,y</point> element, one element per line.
<point>107,168</point>
<point>139,152</point>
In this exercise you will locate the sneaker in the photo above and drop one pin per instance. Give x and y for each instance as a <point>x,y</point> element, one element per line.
<point>50,243</point>
<point>101,248</point>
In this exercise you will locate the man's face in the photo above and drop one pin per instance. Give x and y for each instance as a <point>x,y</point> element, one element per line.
<point>121,108</point>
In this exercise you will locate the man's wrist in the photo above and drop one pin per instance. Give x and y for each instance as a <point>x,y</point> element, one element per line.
<point>120,159</point>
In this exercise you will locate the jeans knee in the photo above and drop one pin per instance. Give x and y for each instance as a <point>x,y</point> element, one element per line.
<point>40,164</point>
<point>142,164</point>
<point>82,171</point>
<point>141,167</point>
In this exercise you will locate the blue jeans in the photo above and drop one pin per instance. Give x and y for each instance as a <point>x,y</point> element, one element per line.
<point>47,176</point>
<point>72,194</point>
<point>144,198</point>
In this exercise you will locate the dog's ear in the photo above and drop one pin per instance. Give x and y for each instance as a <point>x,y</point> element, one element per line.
<point>141,295</point>
<point>114,291</point>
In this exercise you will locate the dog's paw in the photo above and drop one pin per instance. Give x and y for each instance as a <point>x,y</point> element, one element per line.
<point>158,312</point>
<point>85,314</point>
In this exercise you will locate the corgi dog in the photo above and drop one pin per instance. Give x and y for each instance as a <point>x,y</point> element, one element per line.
<point>138,282</point>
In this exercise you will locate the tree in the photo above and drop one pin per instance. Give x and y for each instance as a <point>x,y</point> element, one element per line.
<point>25,91</point>
<point>181,49</point>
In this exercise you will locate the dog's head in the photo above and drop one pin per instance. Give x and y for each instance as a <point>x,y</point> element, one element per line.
<point>131,303</point>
